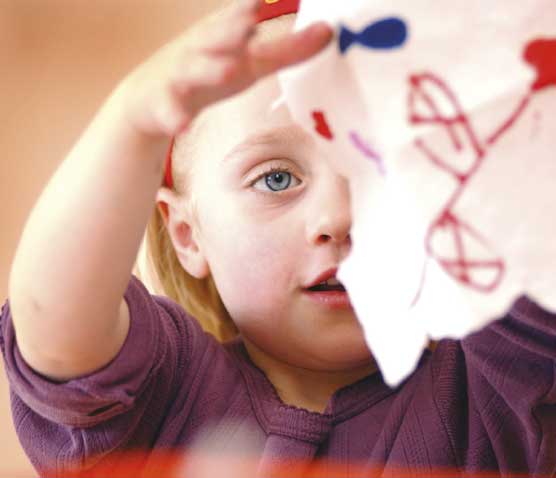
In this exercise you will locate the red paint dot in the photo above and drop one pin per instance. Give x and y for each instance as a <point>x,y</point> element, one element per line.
<point>541,54</point>
<point>321,125</point>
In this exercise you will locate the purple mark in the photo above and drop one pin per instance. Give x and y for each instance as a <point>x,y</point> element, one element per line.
<point>368,152</point>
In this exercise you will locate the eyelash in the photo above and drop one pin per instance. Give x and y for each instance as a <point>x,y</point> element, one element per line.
<point>271,170</point>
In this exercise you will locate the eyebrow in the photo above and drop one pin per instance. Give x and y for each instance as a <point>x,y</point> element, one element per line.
<point>264,138</point>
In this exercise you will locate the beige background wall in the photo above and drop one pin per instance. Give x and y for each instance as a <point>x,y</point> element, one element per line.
<point>58,60</point>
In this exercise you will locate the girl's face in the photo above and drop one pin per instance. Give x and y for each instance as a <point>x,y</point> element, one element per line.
<point>271,217</point>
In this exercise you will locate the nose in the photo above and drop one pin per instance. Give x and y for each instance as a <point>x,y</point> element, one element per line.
<point>329,217</point>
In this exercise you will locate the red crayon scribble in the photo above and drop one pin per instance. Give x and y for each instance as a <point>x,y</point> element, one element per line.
<point>461,132</point>
<point>541,55</point>
<point>321,125</point>
<point>506,125</point>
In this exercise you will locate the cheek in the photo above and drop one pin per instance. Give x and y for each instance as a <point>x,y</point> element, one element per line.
<point>252,264</point>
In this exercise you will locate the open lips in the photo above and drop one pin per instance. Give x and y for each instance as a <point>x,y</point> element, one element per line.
<point>327,291</point>
<point>325,281</point>
<point>330,284</point>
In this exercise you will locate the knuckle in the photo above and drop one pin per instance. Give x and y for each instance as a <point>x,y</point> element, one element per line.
<point>179,88</point>
<point>229,71</point>
<point>184,90</point>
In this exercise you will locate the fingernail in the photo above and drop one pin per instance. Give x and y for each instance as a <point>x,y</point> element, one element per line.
<point>321,28</point>
<point>320,31</point>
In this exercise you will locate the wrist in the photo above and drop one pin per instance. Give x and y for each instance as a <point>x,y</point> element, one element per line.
<point>126,108</point>
<point>149,107</point>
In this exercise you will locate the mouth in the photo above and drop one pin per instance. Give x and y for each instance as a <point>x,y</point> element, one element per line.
<point>327,291</point>
<point>328,285</point>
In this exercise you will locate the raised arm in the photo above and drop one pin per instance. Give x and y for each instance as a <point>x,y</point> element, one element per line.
<point>77,250</point>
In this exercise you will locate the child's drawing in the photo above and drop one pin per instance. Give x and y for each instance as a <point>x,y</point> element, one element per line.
<point>450,187</point>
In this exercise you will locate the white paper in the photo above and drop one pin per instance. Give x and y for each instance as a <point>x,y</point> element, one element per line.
<point>486,179</point>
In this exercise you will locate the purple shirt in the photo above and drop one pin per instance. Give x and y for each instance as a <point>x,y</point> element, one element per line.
<point>485,403</point>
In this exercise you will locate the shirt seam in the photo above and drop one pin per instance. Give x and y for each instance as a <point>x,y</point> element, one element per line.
<point>442,419</point>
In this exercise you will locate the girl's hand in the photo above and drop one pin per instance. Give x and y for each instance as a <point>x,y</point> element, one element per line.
<point>217,58</point>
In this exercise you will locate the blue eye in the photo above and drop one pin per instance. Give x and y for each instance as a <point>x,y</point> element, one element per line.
<point>276,180</point>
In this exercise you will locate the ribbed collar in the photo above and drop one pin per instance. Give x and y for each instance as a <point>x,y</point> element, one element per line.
<point>278,418</point>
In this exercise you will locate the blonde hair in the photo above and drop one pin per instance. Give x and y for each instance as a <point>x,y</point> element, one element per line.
<point>199,297</point>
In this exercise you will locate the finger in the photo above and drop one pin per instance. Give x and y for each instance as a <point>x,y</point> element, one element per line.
<point>210,80</point>
<point>249,6</point>
<point>171,117</point>
<point>232,28</point>
<point>231,39</point>
<point>266,58</point>
<point>205,71</point>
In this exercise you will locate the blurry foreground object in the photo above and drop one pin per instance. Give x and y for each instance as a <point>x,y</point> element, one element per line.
<point>441,116</point>
<point>211,465</point>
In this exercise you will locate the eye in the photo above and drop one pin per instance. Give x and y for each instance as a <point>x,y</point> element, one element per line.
<point>276,180</point>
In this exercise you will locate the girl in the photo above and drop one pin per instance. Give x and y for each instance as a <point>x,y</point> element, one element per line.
<point>247,234</point>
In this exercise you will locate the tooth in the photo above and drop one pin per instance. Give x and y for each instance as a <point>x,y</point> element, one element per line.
<point>333,281</point>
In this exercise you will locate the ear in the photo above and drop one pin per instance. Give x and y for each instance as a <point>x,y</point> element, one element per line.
<point>183,232</point>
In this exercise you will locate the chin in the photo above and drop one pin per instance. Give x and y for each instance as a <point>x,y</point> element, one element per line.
<point>342,356</point>
<point>351,362</point>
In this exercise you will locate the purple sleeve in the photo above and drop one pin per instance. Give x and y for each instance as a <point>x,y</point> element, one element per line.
<point>63,424</point>
<point>512,388</point>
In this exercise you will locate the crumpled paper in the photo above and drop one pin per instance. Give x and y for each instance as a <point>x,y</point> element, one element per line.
<point>441,114</point>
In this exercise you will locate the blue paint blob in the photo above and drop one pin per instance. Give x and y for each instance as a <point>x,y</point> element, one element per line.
<point>385,34</point>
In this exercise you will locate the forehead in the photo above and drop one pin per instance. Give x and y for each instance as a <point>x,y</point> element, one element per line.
<point>229,124</point>
<point>223,126</point>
